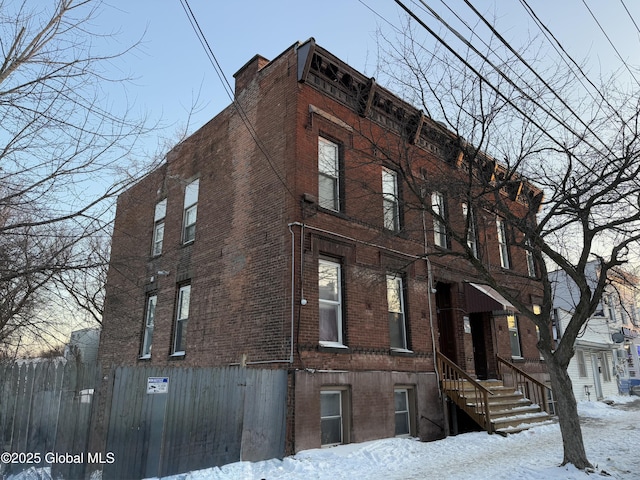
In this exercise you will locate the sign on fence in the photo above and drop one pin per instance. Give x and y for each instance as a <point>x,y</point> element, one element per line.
<point>157,385</point>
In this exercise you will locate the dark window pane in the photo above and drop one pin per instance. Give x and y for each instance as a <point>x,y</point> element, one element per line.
<point>396,330</point>
<point>402,423</point>
<point>331,431</point>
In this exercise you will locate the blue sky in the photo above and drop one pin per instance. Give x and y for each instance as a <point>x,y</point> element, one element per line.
<point>171,69</point>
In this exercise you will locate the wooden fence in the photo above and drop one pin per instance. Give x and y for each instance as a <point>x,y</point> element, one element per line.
<point>157,421</point>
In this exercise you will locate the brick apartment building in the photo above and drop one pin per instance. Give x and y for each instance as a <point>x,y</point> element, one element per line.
<point>276,236</point>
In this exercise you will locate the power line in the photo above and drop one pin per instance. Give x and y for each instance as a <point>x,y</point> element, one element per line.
<point>508,100</point>
<point>610,42</point>
<point>536,74</point>
<point>630,16</point>
<point>229,91</point>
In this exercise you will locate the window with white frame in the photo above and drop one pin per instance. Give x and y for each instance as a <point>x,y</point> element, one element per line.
<point>472,235</point>
<point>190,211</point>
<point>397,318</point>
<point>390,204</point>
<point>328,175</point>
<point>439,228</point>
<point>514,335</point>
<point>604,366</point>
<point>330,299</point>
<point>609,301</point>
<point>334,417</point>
<point>503,244</point>
<point>403,415</point>
<point>158,227</point>
<point>149,320</point>
<point>182,318</point>
<point>531,265</point>
<point>582,365</point>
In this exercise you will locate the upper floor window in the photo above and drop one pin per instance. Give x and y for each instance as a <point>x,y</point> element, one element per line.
<point>328,175</point>
<point>390,205</point>
<point>330,299</point>
<point>609,301</point>
<point>190,211</point>
<point>531,264</point>
<point>158,227</point>
<point>182,317</point>
<point>149,320</point>
<point>395,305</point>
<point>503,244</point>
<point>438,205</point>
<point>472,235</point>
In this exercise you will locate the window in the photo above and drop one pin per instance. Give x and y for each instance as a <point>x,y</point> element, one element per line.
<point>149,320</point>
<point>538,310</point>
<point>190,211</point>
<point>333,417</point>
<point>158,227</point>
<point>472,236</point>
<point>439,228</point>
<point>582,366</point>
<point>328,175</point>
<point>514,336</point>
<point>182,317</point>
<point>390,206</point>
<point>402,411</point>
<point>531,265</point>
<point>502,243</point>
<point>330,295</point>
<point>611,311</point>
<point>395,305</point>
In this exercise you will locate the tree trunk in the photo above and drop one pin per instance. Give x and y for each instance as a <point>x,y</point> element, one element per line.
<point>567,411</point>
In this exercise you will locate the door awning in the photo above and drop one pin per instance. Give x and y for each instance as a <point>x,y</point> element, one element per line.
<point>483,298</point>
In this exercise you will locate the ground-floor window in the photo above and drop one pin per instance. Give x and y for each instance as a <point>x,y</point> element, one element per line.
<point>403,411</point>
<point>582,365</point>
<point>604,366</point>
<point>514,335</point>
<point>333,417</point>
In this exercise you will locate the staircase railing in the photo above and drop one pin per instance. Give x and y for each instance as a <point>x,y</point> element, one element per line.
<point>465,391</point>
<point>530,387</point>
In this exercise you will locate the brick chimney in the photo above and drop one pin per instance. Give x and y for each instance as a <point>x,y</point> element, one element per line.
<point>248,72</point>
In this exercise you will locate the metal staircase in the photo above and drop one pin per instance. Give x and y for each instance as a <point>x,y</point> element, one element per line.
<point>497,408</point>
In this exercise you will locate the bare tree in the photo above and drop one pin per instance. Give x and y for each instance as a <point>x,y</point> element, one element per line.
<point>64,152</point>
<point>518,132</point>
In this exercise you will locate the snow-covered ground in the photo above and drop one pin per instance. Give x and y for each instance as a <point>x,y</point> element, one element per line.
<point>611,435</point>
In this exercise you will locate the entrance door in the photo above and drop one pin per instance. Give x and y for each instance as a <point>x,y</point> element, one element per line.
<point>446,327</point>
<point>478,339</point>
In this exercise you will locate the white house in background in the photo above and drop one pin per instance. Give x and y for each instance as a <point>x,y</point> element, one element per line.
<point>606,360</point>
<point>84,345</point>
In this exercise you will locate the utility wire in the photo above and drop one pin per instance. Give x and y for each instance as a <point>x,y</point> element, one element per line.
<point>542,129</point>
<point>630,16</point>
<point>564,55</point>
<point>536,74</point>
<point>626,65</point>
<point>229,91</point>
